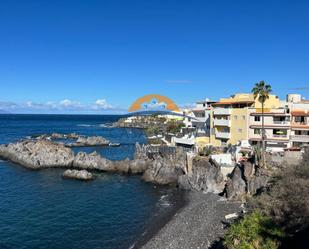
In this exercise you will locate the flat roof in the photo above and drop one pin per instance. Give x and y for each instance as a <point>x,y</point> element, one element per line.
<point>234,102</point>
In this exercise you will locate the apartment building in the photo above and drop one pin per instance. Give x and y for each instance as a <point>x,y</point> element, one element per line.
<point>231,117</point>
<point>201,117</point>
<point>299,109</point>
<point>277,123</point>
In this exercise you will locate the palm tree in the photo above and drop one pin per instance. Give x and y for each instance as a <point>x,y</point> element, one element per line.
<point>261,91</point>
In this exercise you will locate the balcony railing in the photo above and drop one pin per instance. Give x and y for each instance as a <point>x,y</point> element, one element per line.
<point>222,122</point>
<point>225,135</point>
<point>300,138</point>
<point>282,122</point>
<point>280,135</point>
<point>301,123</point>
<point>222,111</point>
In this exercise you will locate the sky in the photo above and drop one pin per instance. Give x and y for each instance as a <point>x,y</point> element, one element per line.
<point>99,56</point>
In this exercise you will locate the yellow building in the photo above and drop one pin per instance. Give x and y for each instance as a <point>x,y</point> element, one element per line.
<point>230,122</point>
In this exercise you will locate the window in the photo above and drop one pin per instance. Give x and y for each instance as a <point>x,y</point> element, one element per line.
<point>257,131</point>
<point>257,118</point>
<point>279,133</point>
<point>243,117</point>
<point>239,130</point>
<point>235,117</point>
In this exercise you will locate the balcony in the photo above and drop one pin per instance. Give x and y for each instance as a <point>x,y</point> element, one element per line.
<point>300,138</point>
<point>281,122</point>
<point>300,125</point>
<point>222,122</point>
<point>225,135</point>
<point>199,119</point>
<point>275,137</point>
<point>222,111</point>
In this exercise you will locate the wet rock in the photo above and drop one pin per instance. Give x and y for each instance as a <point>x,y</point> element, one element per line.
<point>38,154</point>
<point>78,174</point>
<point>206,176</point>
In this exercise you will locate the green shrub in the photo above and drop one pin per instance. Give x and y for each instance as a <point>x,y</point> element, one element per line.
<point>254,231</point>
<point>205,151</point>
<point>287,199</point>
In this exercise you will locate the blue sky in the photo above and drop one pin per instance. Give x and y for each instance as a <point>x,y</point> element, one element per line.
<point>99,56</point>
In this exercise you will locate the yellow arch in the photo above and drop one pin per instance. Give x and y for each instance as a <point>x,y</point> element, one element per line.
<point>137,105</point>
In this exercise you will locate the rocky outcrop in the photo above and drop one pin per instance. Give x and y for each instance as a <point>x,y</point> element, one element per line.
<point>158,167</point>
<point>164,165</point>
<point>90,141</point>
<point>38,154</point>
<point>78,174</point>
<point>205,176</point>
<point>94,161</point>
<point>80,140</point>
<point>245,180</point>
<point>236,185</point>
<point>57,136</point>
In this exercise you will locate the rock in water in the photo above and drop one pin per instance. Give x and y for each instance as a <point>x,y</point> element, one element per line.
<point>38,154</point>
<point>92,141</point>
<point>78,174</point>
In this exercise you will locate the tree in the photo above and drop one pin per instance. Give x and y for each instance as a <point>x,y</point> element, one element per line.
<point>261,91</point>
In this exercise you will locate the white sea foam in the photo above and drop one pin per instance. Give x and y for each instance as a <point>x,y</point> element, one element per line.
<point>84,125</point>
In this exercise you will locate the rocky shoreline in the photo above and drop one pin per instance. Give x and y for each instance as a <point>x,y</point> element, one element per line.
<point>197,224</point>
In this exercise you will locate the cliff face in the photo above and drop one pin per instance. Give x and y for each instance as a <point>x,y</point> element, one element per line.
<point>205,176</point>
<point>245,180</point>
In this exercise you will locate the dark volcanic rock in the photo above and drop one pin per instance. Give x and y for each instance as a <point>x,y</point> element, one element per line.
<point>236,185</point>
<point>245,180</point>
<point>206,176</point>
<point>164,166</point>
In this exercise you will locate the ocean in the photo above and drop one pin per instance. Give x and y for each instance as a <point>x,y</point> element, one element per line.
<point>41,210</point>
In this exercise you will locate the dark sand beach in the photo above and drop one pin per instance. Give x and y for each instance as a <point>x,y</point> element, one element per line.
<point>198,224</point>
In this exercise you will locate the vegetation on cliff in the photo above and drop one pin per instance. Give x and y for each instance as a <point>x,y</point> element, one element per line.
<point>281,209</point>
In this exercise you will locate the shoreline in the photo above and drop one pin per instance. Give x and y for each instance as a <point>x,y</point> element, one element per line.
<point>179,201</point>
<point>199,223</point>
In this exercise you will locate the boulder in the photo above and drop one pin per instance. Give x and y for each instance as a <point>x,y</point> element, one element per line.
<point>236,185</point>
<point>78,174</point>
<point>38,154</point>
<point>206,176</point>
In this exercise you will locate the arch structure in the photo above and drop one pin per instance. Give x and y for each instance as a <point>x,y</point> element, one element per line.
<point>153,102</point>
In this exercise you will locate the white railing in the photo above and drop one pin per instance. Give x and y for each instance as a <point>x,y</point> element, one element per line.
<point>280,135</point>
<point>282,122</point>
<point>222,122</point>
<point>222,111</point>
<point>225,135</point>
<point>300,138</point>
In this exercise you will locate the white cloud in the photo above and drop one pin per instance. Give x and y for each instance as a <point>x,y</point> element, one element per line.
<point>65,105</point>
<point>102,104</point>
